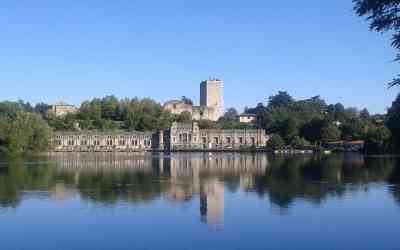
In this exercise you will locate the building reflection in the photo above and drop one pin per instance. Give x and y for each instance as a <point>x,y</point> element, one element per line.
<point>205,175</point>
<point>212,202</point>
<point>184,176</point>
<point>196,179</point>
<point>61,192</point>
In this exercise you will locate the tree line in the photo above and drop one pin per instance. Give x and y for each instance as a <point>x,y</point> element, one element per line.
<point>298,123</point>
<point>313,122</point>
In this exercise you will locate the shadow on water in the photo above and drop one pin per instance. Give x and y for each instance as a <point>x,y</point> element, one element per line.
<point>141,178</point>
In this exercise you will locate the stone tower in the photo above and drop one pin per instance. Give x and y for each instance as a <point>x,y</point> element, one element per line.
<point>212,96</point>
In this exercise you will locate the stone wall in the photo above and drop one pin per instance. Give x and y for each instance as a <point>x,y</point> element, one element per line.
<point>87,141</point>
<point>62,109</point>
<point>212,95</point>
<point>190,137</point>
<point>178,107</point>
<point>180,137</point>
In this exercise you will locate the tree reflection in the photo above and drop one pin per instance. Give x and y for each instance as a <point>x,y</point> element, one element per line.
<point>318,178</point>
<point>135,178</point>
<point>394,180</point>
<point>16,176</point>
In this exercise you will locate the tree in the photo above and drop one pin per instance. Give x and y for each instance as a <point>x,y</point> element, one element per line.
<point>351,113</point>
<point>231,124</point>
<point>260,108</point>
<point>282,99</point>
<point>364,114</point>
<point>10,108</point>
<point>231,114</point>
<point>185,116</point>
<point>276,142</point>
<point>187,100</point>
<point>207,124</point>
<point>299,142</point>
<point>393,121</point>
<point>378,140</point>
<point>25,132</point>
<point>41,108</point>
<point>384,15</point>
<point>289,129</point>
<point>330,133</point>
<point>91,109</point>
<point>312,131</point>
<point>109,106</point>
<point>354,129</point>
<point>336,112</point>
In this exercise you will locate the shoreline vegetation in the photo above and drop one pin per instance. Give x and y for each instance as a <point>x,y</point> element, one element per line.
<point>308,124</point>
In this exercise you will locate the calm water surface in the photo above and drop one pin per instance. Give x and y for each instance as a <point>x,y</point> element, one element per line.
<point>199,201</point>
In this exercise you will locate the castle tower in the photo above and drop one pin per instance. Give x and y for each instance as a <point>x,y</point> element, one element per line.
<point>212,96</point>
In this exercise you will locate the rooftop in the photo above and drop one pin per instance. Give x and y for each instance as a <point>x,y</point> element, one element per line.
<point>62,104</point>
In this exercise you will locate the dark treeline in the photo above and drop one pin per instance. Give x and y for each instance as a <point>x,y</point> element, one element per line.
<point>312,121</point>
<point>298,123</point>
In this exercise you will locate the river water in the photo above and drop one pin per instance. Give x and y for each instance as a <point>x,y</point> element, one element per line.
<point>199,201</point>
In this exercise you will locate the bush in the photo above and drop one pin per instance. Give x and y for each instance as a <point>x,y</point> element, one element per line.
<point>25,132</point>
<point>276,142</point>
<point>299,142</point>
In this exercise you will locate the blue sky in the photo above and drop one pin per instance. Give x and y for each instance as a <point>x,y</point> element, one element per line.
<point>76,50</point>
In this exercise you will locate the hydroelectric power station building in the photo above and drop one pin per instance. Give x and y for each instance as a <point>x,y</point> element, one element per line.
<point>179,137</point>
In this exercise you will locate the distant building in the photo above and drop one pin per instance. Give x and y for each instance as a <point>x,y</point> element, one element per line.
<point>99,141</point>
<point>351,146</point>
<point>188,136</point>
<point>179,137</point>
<point>247,118</point>
<point>211,102</point>
<point>177,107</point>
<point>61,109</point>
<point>212,96</point>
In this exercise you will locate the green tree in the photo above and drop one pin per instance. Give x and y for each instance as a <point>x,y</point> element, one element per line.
<point>383,15</point>
<point>378,139</point>
<point>354,129</point>
<point>364,114</point>
<point>312,131</point>
<point>207,124</point>
<point>231,114</point>
<point>330,133</point>
<point>289,129</point>
<point>393,121</point>
<point>336,112</point>
<point>24,132</point>
<point>299,142</point>
<point>42,108</point>
<point>109,105</point>
<point>282,99</point>
<point>91,110</point>
<point>276,142</point>
<point>184,117</point>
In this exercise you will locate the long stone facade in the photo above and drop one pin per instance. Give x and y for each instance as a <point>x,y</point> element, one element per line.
<point>188,136</point>
<point>96,141</point>
<point>180,137</point>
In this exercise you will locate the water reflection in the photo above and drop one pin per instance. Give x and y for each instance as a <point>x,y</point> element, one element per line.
<point>109,179</point>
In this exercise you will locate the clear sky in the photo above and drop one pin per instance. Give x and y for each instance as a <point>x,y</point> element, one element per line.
<point>79,49</point>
